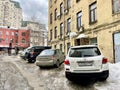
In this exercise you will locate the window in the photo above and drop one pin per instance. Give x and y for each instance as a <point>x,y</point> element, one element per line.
<point>55,13</point>
<point>93,41</point>
<point>61,30</point>
<point>93,12</point>
<point>7,33</point>
<point>12,34</point>
<point>6,40</point>
<point>50,3</point>
<point>55,33</point>
<point>116,6</point>
<point>61,47</point>
<point>23,40</point>
<point>77,0</point>
<point>68,46</point>
<point>55,1</point>
<point>51,18</point>
<point>68,4</point>
<point>68,25</point>
<point>47,52</point>
<point>50,34</point>
<point>61,8</point>
<point>55,46</point>
<point>79,20</point>
<point>84,52</point>
<point>0,33</point>
<point>23,34</point>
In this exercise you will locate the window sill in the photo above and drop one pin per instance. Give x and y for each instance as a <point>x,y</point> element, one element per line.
<point>115,13</point>
<point>91,23</point>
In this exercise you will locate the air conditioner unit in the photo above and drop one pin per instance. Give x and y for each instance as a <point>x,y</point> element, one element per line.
<point>66,11</point>
<point>58,15</point>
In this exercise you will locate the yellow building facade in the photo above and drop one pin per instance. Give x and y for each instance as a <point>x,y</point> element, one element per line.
<point>83,22</point>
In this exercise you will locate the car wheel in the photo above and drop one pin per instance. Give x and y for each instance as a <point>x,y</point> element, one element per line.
<point>57,64</point>
<point>68,77</point>
<point>33,61</point>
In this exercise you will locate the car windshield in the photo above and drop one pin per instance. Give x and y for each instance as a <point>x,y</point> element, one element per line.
<point>47,52</point>
<point>84,52</point>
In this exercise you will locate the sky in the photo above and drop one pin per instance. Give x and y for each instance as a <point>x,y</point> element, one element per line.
<point>35,8</point>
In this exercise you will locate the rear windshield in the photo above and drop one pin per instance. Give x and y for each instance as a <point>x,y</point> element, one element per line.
<point>84,52</point>
<point>47,52</point>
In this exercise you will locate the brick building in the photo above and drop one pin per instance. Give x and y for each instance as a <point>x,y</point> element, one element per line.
<point>18,37</point>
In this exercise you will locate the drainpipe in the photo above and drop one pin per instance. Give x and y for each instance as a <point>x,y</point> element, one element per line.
<point>64,27</point>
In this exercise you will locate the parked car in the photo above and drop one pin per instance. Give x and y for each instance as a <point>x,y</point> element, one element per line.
<point>86,61</point>
<point>50,57</point>
<point>34,52</point>
<point>24,53</point>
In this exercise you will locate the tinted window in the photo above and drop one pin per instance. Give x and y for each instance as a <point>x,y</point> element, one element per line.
<point>47,52</point>
<point>84,52</point>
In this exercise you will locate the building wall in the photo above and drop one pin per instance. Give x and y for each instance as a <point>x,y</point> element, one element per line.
<point>103,29</point>
<point>23,38</point>
<point>15,37</point>
<point>10,13</point>
<point>38,33</point>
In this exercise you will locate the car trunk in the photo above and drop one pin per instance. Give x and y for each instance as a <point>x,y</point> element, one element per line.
<point>86,64</point>
<point>44,58</point>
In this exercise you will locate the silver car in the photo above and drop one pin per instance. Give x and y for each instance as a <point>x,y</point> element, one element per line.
<point>23,53</point>
<point>50,57</point>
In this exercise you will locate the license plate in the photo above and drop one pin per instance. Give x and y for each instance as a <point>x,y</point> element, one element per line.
<point>88,63</point>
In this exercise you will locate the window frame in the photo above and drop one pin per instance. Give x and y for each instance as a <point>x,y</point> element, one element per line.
<point>61,29</point>
<point>55,32</point>
<point>79,17</point>
<point>77,1</point>
<point>50,18</point>
<point>51,34</point>
<point>93,13</point>
<point>61,8</point>
<point>55,14</point>
<point>113,6</point>
<point>68,4</point>
<point>68,25</point>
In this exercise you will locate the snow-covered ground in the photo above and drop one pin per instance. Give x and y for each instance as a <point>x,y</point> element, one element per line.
<point>52,78</point>
<point>113,81</point>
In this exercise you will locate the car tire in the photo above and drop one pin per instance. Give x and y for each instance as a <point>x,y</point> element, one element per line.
<point>33,61</point>
<point>57,64</point>
<point>68,77</point>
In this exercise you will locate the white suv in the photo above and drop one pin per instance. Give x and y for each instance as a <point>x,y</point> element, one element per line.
<point>86,61</point>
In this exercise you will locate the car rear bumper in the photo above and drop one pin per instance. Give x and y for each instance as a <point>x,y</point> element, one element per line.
<point>45,63</point>
<point>87,75</point>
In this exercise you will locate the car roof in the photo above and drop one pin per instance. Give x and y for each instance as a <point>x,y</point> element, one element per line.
<point>52,49</point>
<point>84,46</point>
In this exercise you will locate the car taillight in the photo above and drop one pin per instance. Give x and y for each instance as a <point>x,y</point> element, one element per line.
<point>104,61</point>
<point>66,62</point>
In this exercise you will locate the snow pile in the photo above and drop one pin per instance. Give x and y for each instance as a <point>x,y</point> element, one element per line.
<point>113,81</point>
